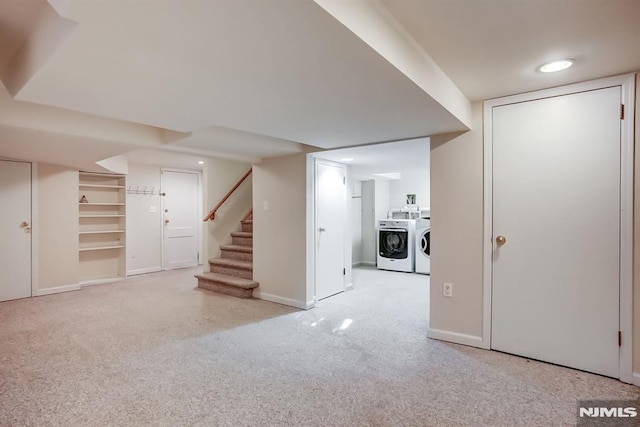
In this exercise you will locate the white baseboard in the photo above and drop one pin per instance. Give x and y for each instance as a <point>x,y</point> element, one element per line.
<point>56,290</point>
<point>363,264</point>
<point>455,337</point>
<point>144,271</point>
<point>282,300</point>
<point>636,379</point>
<point>101,281</point>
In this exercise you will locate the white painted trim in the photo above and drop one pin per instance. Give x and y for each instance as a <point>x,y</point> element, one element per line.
<point>455,337</point>
<point>101,281</point>
<point>144,271</point>
<point>35,231</point>
<point>636,379</point>
<point>349,287</point>
<point>487,244</point>
<point>57,290</point>
<point>628,91</point>
<point>282,300</point>
<point>363,264</point>
<point>627,84</point>
<point>310,234</point>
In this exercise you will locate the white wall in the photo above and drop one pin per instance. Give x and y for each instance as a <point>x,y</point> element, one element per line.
<point>381,199</point>
<point>356,222</point>
<point>220,177</point>
<point>280,230</point>
<point>456,231</point>
<point>411,183</point>
<point>369,242</point>
<point>144,220</point>
<point>56,229</point>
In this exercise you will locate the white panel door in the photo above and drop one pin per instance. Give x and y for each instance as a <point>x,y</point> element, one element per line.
<point>331,219</point>
<point>556,200</point>
<point>15,230</point>
<point>181,219</point>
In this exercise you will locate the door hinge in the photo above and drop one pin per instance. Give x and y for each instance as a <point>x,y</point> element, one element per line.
<point>344,271</point>
<point>621,111</point>
<point>619,338</point>
<point>344,180</point>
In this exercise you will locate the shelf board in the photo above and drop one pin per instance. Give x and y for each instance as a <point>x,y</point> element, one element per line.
<point>101,232</point>
<point>101,204</point>
<point>101,186</point>
<point>100,248</point>
<point>101,216</point>
<point>104,175</point>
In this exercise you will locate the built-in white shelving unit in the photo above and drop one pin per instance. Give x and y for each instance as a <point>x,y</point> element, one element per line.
<point>101,237</point>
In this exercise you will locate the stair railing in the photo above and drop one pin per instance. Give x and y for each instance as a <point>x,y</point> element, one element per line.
<point>212,212</point>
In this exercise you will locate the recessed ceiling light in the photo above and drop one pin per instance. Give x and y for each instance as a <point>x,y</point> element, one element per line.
<point>347,159</point>
<point>200,162</point>
<point>552,67</point>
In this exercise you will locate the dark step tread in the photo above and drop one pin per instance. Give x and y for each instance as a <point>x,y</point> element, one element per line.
<point>242,234</point>
<point>228,280</point>
<point>246,221</point>
<point>232,263</point>
<point>237,248</point>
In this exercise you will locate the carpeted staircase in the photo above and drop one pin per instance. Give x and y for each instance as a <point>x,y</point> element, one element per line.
<point>232,273</point>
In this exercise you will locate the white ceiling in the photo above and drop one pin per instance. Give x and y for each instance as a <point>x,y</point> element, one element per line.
<point>285,69</point>
<point>492,48</point>
<point>396,157</point>
<point>249,79</point>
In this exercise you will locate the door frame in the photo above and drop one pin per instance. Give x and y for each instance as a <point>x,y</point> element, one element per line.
<point>198,173</point>
<point>627,85</point>
<point>347,265</point>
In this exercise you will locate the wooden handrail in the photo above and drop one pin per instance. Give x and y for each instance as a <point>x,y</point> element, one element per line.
<point>212,212</point>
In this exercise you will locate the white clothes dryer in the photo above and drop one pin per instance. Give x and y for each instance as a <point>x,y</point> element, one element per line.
<point>423,246</point>
<point>396,244</point>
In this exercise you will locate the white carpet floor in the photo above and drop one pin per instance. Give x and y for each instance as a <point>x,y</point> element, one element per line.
<point>155,351</point>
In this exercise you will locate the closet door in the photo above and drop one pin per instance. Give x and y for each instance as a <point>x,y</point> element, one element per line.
<point>15,230</point>
<point>556,224</point>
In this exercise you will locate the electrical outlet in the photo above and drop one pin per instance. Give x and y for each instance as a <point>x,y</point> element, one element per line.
<point>447,289</point>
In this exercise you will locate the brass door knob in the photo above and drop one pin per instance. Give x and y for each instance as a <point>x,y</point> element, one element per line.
<point>501,240</point>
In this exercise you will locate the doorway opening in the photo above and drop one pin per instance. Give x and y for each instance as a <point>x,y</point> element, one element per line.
<point>387,182</point>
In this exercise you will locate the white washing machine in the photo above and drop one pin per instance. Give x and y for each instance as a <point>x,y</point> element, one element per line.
<point>423,245</point>
<point>396,245</point>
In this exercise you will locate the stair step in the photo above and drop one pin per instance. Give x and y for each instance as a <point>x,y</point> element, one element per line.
<point>234,286</point>
<point>233,263</point>
<point>241,253</point>
<point>237,248</point>
<point>242,238</point>
<point>232,267</point>
<point>247,225</point>
<point>242,234</point>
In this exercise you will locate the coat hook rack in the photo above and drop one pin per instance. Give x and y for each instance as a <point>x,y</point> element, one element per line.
<point>144,190</point>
